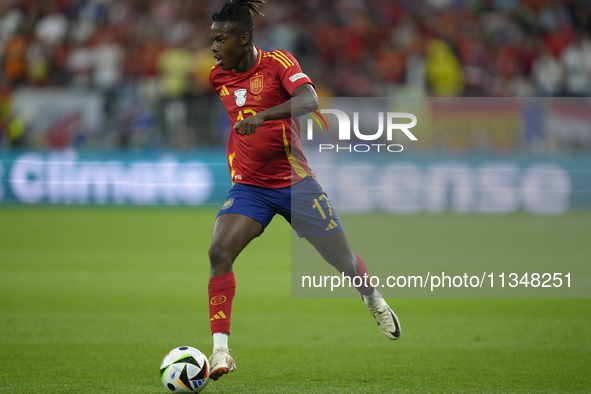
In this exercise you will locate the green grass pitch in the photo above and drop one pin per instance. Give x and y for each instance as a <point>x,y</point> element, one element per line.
<point>91,299</point>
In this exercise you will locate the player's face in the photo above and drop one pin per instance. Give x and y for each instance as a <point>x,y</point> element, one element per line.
<point>228,46</point>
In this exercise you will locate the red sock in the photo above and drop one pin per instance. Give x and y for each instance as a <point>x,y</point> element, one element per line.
<point>365,290</point>
<point>221,293</point>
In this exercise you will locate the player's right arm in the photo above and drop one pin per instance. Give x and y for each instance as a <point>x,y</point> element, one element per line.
<point>303,99</point>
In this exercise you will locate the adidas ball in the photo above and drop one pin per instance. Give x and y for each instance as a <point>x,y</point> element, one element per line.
<point>185,370</point>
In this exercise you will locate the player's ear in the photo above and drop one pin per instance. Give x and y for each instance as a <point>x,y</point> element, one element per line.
<point>244,38</point>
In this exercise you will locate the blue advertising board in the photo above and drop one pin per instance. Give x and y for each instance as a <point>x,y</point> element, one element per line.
<point>398,185</point>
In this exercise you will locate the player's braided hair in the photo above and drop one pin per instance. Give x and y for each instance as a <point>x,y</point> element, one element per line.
<point>239,12</point>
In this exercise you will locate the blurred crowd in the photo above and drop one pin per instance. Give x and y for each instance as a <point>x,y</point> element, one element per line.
<point>149,60</point>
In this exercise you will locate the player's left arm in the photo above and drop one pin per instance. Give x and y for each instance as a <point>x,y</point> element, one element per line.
<point>303,97</point>
<point>300,87</point>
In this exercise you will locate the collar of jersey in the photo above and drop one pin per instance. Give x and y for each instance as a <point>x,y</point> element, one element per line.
<point>259,57</point>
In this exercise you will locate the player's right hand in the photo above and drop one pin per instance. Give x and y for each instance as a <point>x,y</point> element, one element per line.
<point>248,125</point>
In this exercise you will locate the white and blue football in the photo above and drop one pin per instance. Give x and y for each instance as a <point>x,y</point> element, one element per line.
<point>185,370</point>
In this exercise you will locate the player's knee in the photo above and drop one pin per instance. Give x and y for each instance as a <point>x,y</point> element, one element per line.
<point>219,257</point>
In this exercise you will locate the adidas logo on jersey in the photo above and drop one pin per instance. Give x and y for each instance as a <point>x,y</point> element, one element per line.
<point>224,91</point>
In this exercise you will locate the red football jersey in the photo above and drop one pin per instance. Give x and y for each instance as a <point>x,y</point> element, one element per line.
<point>269,157</point>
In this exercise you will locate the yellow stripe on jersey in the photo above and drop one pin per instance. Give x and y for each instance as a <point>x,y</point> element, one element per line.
<point>233,171</point>
<point>224,91</point>
<point>282,55</point>
<point>278,59</point>
<point>294,163</point>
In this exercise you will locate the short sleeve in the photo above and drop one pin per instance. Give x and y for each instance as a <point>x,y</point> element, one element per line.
<point>289,70</point>
<point>212,82</point>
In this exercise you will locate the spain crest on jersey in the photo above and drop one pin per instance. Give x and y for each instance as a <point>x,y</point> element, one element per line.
<point>256,84</point>
<point>240,97</point>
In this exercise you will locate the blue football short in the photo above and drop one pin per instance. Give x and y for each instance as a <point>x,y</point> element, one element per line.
<point>304,205</point>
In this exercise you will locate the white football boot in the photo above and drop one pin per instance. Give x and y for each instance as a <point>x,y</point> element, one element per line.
<point>221,363</point>
<point>386,319</point>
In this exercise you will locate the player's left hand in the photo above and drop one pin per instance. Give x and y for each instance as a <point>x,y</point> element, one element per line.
<point>248,125</point>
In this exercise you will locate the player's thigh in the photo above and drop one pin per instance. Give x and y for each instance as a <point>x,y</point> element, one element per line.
<point>231,233</point>
<point>242,217</point>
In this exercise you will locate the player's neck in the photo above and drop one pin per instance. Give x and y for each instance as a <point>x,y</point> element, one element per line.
<point>248,60</point>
